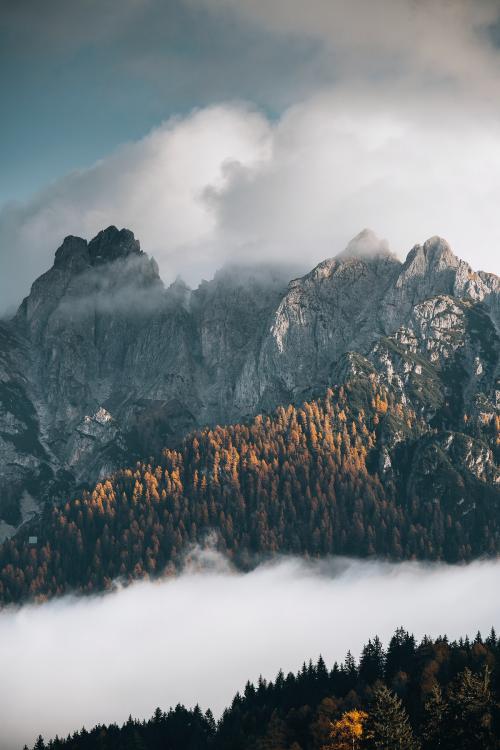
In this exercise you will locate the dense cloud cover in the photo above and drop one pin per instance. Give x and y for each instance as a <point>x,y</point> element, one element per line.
<point>393,127</point>
<point>199,637</point>
<point>227,184</point>
<point>443,43</point>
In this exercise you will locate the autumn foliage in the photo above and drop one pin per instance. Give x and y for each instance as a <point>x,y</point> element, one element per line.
<point>346,732</point>
<point>305,480</point>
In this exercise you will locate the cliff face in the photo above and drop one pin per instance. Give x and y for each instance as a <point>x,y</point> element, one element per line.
<point>102,363</point>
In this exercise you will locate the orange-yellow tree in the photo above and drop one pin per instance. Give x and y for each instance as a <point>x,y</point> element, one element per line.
<point>346,732</point>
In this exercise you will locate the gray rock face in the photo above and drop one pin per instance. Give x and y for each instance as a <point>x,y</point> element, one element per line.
<point>102,363</point>
<point>22,453</point>
<point>430,270</point>
<point>335,308</point>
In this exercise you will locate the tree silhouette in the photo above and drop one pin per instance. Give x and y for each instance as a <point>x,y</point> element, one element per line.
<point>388,726</point>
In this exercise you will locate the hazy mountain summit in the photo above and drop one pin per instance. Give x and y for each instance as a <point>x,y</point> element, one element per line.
<point>102,363</point>
<point>366,244</point>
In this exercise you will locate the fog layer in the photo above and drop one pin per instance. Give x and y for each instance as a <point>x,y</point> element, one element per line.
<point>199,637</point>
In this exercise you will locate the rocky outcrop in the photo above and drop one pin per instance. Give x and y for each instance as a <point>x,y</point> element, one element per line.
<point>102,363</point>
<point>22,454</point>
<point>333,309</point>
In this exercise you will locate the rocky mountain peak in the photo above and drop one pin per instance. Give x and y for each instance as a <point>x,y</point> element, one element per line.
<point>439,253</point>
<point>112,244</point>
<point>100,335</point>
<point>109,273</point>
<point>72,254</point>
<point>365,249</point>
<point>432,269</point>
<point>366,244</point>
<point>76,254</point>
<point>179,293</point>
<point>434,256</point>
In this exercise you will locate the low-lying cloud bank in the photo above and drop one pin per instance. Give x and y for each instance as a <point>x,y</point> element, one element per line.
<point>199,637</point>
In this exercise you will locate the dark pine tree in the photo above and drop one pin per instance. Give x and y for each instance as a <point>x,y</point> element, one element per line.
<point>432,729</point>
<point>388,726</point>
<point>371,665</point>
<point>469,715</point>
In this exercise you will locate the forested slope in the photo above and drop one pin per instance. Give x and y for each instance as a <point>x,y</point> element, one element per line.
<point>433,695</point>
<point>354,473</point>
<point>102,365</point>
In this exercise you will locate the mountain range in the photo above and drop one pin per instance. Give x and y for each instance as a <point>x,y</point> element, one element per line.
<point>103,365</point>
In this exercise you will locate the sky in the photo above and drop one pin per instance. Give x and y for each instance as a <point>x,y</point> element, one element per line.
<point>238,131</point>
<point>227,130</point>
<point>199,637</point>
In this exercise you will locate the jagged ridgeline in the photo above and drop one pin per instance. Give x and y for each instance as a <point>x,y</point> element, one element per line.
<point>411,696</point>
<point>354,473</point>
<point>102,366</point>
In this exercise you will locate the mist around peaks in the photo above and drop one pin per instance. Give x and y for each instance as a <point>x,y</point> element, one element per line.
<point>303,186</point>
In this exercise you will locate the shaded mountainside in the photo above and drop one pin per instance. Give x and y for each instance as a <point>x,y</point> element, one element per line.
<point>358,472</point>
<point>430,695</point>
<point>102,365</point>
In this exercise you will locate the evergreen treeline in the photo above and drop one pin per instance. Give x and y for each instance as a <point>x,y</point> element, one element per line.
<point>434,695</point>
<point>304,481</point>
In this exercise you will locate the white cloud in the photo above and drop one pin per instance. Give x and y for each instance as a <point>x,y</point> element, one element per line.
<point>154,186</point>
<point>407,142</point>
<point>199,637</point>
<point>341,162</point>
